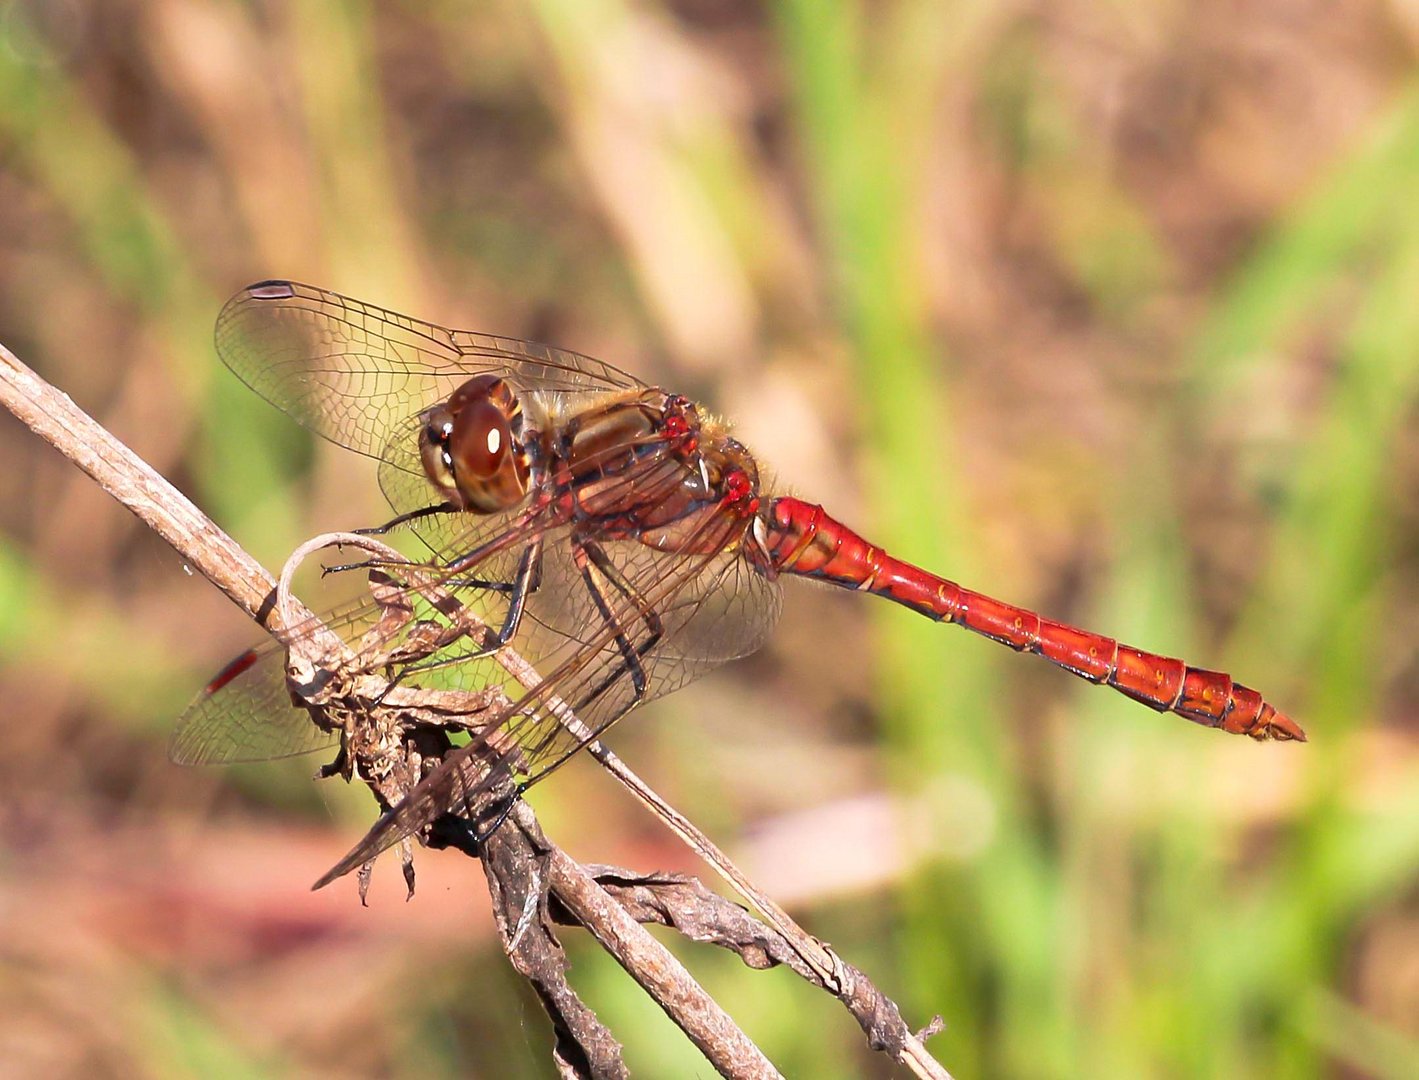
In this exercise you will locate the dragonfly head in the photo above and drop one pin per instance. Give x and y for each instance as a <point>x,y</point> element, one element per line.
<point>473,446</point>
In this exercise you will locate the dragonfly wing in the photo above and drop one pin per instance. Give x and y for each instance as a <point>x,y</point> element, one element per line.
<point>530,365</point>
<point>352,372</point>
<point>723,611</point>
<point>590,668</point>
<point>245,714</point>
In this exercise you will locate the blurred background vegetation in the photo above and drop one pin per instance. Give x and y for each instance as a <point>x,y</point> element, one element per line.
<point>1109,309</point>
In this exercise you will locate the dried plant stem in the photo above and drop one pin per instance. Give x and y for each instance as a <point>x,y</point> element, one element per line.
<point>873,1010</point>
<point>125,476</point>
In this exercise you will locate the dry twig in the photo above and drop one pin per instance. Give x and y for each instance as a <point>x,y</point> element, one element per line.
<point>530,879</point>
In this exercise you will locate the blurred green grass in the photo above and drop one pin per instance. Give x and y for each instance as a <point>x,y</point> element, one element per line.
<point>1222,429</point>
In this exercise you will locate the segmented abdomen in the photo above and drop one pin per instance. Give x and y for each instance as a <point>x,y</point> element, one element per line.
<point>802,539</point>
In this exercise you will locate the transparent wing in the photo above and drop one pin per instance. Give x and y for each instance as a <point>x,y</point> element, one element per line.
<point>708,610</point>
<point>245,714</point>
<point>603,641</point>
<point>600,636</point>
<point>612,623</point>
<point>352,372</point>
<point>721,611</point>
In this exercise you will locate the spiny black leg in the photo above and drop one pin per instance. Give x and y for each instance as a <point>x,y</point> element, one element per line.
<point>457,832</point>
<point>467,559</point>
<point>364,564</point>
<point>527,581</point>
<point>591,560</point>
<point>522,531</point>
<point>595,566</point>
<point>412,515</point>
<point>479,583</point>
<point>507,808</point>
<point>648,615</point>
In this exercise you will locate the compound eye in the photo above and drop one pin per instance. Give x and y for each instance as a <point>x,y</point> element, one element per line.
<point>489,463</point>
<point>433,452</point>
<point>480,442</point>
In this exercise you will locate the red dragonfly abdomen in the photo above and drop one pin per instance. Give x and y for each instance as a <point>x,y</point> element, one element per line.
<point>802,539</point>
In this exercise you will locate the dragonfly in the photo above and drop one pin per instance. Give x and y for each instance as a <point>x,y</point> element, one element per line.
<point>613,532</point>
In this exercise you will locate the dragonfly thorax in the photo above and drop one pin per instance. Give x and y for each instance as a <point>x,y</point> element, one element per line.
<point>474,448</point>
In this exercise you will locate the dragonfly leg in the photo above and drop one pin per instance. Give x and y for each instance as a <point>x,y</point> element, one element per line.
<point>363,564</point>
<point>515,533</point>
<point>480,583</point>
<point>405,518</point>
<point>593,563</point>
<point>458,832</point>
<point>523,585</point>
<point>648,614</point>
<point>527,582</point>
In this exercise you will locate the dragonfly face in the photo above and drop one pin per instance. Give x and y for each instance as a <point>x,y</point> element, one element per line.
<point>474,447</point>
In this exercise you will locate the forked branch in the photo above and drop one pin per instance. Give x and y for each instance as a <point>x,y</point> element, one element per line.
<point>527,874</point>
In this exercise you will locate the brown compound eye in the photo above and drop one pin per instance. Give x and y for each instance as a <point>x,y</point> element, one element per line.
<point>433,452</point>
<point>484,447</point>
